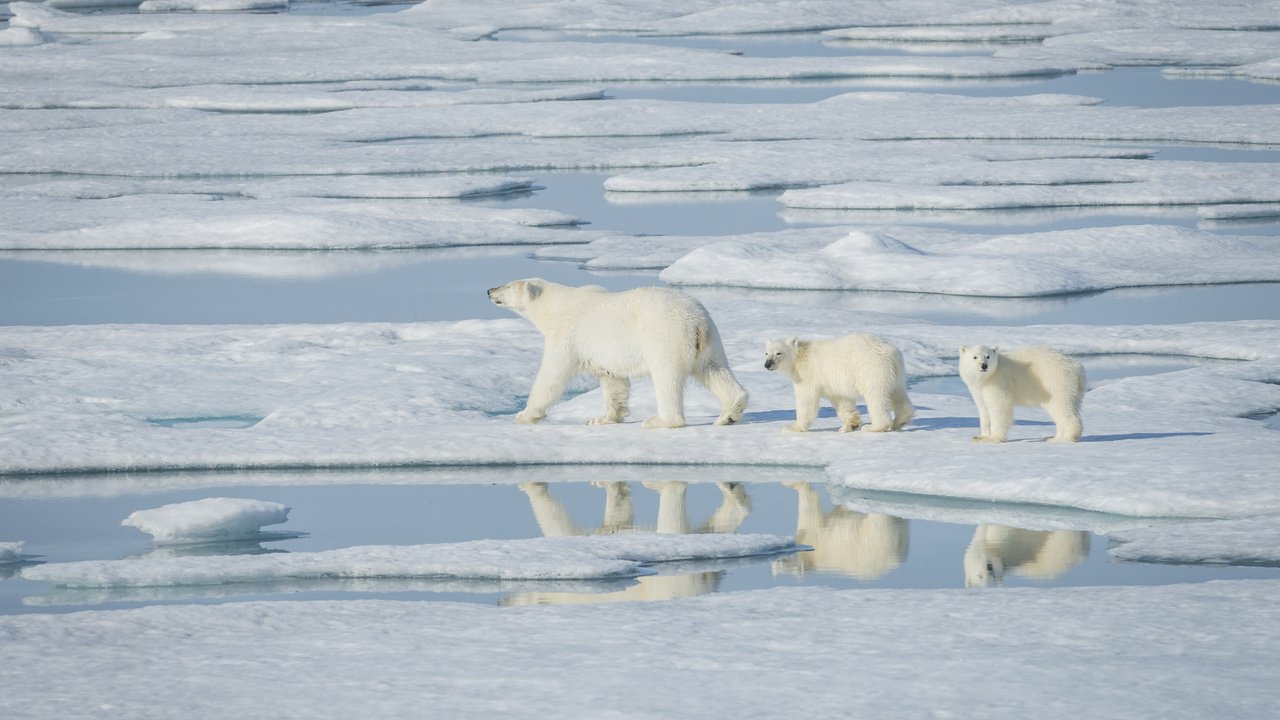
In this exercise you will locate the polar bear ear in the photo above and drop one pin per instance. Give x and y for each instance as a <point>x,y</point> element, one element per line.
<point>964,349</point>
<point>533,289</point>
<point>793,341</point>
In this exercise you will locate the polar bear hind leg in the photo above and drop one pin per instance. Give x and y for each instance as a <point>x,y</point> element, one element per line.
<point>1066,421</point>
<point>616,391</point>
<point>733,397</point>
<point>903,410</point>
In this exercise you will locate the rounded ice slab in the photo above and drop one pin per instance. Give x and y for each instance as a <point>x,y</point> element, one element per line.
<point>208,520</point>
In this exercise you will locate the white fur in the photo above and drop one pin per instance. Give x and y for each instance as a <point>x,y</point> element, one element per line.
<point>617,336</point>
<point>1029,377</point>
<point>1038,554</point>
<point>842,370</point>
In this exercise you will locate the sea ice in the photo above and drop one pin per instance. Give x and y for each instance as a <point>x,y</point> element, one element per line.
<point>1250,541</point>
<point>208,520</point>
<point>1007,265</point>
<point>78,399</point>
<point>1180,651</point>
<point>554,558</point>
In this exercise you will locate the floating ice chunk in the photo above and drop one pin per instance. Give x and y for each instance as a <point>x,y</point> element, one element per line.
<point>11,552</point>
<point>1054,183</point>
<point>556,558</point>
<point>1250,541</point>
<point>157,6</point>
<point>276,222</point>
<point>1012,265</point>
<point>1252,211</point>
<point>21,37</point>
<point>208,520</point>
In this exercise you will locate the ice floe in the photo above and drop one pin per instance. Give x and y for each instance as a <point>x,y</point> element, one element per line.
<point>161,222</point>
<point>1250,541</point>
<point>555,558</point>
<point>1007,265</point>
<point>208,520</point>
<point>79,399</point>
<point>1196,644</point>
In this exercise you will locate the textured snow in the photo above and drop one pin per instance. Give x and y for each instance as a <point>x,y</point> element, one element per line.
<point>80,398</point>
<point>209,519</point>
<point>1008,265</point>
<point>554,558</point>
<point>1250,541</point>
<point>1183,651</point>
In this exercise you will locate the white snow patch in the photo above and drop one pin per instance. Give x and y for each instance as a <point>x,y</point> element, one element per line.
<point>208,520</point>
<point>555,558</point>
<point>1172,651</point>
<point>1008,265</point>
<point>1249,541</point>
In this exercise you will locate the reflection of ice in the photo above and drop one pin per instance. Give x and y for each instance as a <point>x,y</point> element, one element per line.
<point>997,550</point>
<point>1247,541</point>
<point>844,541</point>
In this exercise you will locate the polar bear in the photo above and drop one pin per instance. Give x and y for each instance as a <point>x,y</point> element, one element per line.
<point>1029,377</point>
<point>1037,554</point>
<point>616,336</point>
<point>842,370</point>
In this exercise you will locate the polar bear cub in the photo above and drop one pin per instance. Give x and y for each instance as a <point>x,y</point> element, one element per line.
<point>617,336</point>
<point>843,369</point>
<point>1029,377</point>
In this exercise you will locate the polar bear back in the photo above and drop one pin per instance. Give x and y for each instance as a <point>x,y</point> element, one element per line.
<point>850,365</point>
<point>623,333</point>
<point>1036,375</point>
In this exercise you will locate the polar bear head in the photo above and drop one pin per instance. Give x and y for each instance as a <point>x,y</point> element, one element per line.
<point>978,360</point>
<point>518,295</point>
<point>780,355</point>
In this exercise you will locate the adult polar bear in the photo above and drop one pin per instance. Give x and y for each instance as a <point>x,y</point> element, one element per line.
<point>1029,377</point>
<point>617,336</point>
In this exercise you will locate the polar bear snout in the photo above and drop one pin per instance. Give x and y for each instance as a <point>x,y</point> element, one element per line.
<point>768,363</point>
<point>492,297</point>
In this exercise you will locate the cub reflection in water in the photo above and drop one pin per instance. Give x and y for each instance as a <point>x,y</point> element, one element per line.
<point>859,545</point>
<point>1038,554</point>
<point>619,516</point>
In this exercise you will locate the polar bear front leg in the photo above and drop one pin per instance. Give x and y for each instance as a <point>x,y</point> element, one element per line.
<point>999,413</point>
<point>847,409</point>
<point>807,402</point>
<point>553,376</point>
<point>616,391</point>
<point>984,419</point>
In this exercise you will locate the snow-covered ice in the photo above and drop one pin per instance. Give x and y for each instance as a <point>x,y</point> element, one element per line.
<point>1183,651</point>
<point>1007,265</point>
<point>80,398</point>
<point>167,141</point>
<point>551,558</point>
<point>208,520</point>
<point>1250,541</point>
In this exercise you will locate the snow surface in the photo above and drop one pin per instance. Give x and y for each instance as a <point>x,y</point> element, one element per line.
<point>552,558</point>
<point>80,399</point>
<point>1007,265</point>
<point>229,132</point>
<point>1183,651</point>
<point>208,520</point>
<point>1251,541</point>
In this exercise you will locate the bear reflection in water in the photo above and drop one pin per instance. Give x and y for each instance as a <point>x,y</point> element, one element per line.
<point>619,516</point>
<point>997,550</point>
<point>846,542</point>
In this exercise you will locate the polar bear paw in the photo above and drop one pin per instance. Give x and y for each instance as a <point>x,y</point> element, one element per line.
<point>604,420</point>
<point>528,417</point>
<point>658,422</point>
<point>795,428</point>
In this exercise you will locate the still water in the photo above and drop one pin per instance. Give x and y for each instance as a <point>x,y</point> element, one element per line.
<point>854,543</point>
